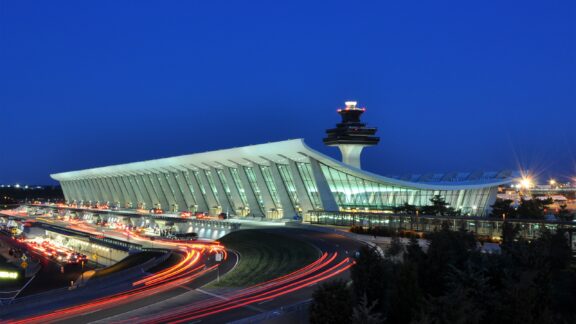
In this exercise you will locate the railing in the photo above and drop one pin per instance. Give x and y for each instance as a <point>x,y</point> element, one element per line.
<point>529,228</point>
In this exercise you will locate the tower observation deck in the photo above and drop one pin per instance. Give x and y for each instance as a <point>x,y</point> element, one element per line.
<point>351,135</point>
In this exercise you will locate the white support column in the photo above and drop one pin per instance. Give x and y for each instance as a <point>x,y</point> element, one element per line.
<point>185,188</point>
<point>73,191</point>
<point>222,196</point>
<point>179,195</point>
<point>84,194</point>
<point>145,180</point>
<point>167,190</point>
<point>139,188</point>
<point>210,198</point>
<point>66,190</point>
<point>105,190</point>
<point>197,192</point>
<point>303,196</point>
<point>155,185</point>
<point>266,196</point>
<point>98,189</point>
<point>113,191</point>
<point>125,197</point>
<point>288,210</point>
<point>255,209</point>
<point>351,154</point>
<point>234,193</point>
<point>328,201</point>
<point>90,195</point>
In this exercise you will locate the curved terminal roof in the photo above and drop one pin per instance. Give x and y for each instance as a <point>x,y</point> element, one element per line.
<point>280,152</point>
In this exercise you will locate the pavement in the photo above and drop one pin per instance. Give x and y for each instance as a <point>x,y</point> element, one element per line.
<point>326,242</point>
<point>198,291</point>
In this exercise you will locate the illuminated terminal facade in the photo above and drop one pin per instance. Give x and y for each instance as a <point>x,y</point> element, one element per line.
<point>277,180</point>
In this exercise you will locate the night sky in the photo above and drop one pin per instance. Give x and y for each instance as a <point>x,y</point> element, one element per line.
<point>451,85</point>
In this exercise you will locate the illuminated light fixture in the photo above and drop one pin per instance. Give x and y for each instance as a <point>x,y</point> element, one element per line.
<point>526,183</point>
<point>8,275</point>
<point>552,182</point>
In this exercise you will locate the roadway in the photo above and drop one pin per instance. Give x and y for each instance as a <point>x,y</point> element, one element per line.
<point>188,299</point>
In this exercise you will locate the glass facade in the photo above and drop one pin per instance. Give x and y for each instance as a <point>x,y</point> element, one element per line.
<point>270,185</point>
<point>305,171</point>
<point>212,186</point>
<point>239,187</point>
<point>226,187</point>
<point>352,192</point>
<point>252,179</point>
<point>289,184</point>
<point>200,185</point>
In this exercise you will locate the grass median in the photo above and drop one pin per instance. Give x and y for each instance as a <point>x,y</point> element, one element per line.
<point>264,256</point>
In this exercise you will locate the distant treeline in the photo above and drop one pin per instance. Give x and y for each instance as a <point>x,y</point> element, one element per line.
<point>14,195</point>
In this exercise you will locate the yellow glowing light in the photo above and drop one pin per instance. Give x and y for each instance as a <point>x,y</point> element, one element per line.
<point>526,183</point>
<point>552,182</point>
<point>8,275</point>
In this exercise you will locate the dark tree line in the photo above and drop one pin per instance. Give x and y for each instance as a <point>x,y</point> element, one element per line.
<point>438,206</point>
<point>453,282</point>
<point>528,209</point>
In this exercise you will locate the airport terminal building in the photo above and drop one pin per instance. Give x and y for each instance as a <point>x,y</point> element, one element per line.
<point>277,181</point>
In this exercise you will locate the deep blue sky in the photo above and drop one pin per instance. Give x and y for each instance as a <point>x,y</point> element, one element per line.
<point>452,85</point>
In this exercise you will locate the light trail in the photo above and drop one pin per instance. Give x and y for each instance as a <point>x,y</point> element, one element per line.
<point>319,270</point>
<point>183,272</point>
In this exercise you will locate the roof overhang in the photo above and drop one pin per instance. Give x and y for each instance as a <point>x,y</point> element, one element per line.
<point>277,152</point>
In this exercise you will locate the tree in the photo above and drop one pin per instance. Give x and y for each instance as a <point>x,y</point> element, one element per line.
<point>332,303</point>
<point>439,207</point>
<point>373,276</point>
<point>533,208</point>
<point>406,208</point>
<point>396,248</point>
<point>564,214</point>
<point>447,249</point>
<point>364,313</point>
<point>406,297</point>
<point>502,208</point>
<point>414,252</point>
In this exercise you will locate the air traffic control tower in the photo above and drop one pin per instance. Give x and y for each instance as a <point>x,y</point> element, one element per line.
<point>351,135</point>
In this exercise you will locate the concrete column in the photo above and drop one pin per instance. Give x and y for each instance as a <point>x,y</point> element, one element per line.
<point>87,190</point>
<point>185,189</point>
<point>98,189</point>
<point>266,196</point>
<point>288,210</point>
<point>113,190</point>
<point>255,208</point>
<point>155,186</point>
<point>198,196</point>
<point>135,198</point>
<point>66,190</point>
<point>81,190</point>
<point>303,196</point>
<point>210,198</point>
<point>142,195</point>
<point>167,190</point>
<point>130,197</point>
<point>234,193</point>
<point>351,154</point>
<point>72,192</point>
<point>326,196</point>
<point>117,180</point>
<point>105,190</point>
<point>222,196</point>
<point>145,181</point>
<point>182,203</point>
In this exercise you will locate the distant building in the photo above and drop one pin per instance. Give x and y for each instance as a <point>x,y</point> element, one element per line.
<point>277,180</point>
